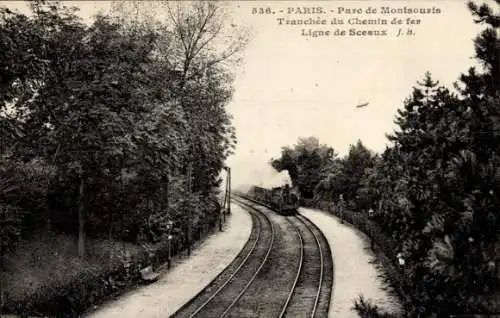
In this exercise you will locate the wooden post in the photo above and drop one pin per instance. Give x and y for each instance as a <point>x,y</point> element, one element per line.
<point>81,220</point>
<point>190,168</point>
<point>220,221</point>
<point>169,257</point>
<point>222,210</point>
<point>225,199</point>
<point>167,199</point>
<point>229,190</point>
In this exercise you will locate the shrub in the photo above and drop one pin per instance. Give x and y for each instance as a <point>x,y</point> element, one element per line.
<point>366,309</point>
<point>10,227</point>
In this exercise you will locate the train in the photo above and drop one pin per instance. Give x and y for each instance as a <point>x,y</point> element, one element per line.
<point>283,199</point>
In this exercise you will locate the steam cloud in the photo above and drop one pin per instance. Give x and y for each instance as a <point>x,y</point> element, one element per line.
<point>264,176</point>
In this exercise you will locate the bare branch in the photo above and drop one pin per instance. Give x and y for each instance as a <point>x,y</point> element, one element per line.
<point>177,26</point>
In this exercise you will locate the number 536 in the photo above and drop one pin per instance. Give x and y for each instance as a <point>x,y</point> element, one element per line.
<point>262,11</point>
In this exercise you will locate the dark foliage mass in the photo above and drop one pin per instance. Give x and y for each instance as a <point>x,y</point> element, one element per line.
<point>435,192</point>
<point>114,129</point>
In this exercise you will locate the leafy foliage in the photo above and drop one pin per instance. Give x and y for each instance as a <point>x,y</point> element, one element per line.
<point>366,309</point>
<point>115,128</point>
<point>306,162</point>
<point>434,192</point>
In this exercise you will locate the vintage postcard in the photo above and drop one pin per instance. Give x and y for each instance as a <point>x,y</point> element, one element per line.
<point>250,158</point>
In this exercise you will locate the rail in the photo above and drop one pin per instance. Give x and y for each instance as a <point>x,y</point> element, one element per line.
<point>256,272</point>
<point>307,226</point>
<point>232,277</point>
<point>299,271</point>
<point>322,262</point>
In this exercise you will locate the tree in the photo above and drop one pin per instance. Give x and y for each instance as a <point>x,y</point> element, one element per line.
<point>345,176</point>
<point>354,165</point>
<point>95,112</point>
<point>198,44</point>
<point>307,163</point>
<point>448,149</point>
<point>287,161</point>
<point>436,187</point>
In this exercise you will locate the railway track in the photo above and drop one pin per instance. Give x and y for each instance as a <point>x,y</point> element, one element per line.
<point>284,270</point>
<point>309,295</point>
<point>269,293</point>
<point>226,289</point>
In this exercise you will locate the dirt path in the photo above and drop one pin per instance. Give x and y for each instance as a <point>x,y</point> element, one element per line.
<point>353,272</point>
<point>186,278</point>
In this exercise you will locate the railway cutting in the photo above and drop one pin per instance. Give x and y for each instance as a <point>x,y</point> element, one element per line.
<point>284,270</point>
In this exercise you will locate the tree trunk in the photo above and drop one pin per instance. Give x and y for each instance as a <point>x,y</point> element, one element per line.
<point>81,221</point>
<point>110,224</point>
<point>189,233</point>
<point>229,191</point>
<point>190,168</point>
<point>48,225</point>
<point>2,271</point>
<point>166,193</point>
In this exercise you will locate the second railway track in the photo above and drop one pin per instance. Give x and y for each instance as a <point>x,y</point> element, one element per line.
<point>268,294</point>
<point>310,293</point>
<point>219,295</point>
<point>284,270</point>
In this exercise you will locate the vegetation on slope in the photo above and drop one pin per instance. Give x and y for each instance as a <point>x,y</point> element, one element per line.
<point>434,192</point>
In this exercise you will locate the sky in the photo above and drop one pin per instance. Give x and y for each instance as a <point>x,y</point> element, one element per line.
<point>291,86</point>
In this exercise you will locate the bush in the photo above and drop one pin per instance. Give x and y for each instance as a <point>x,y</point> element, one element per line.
<point>10,227</point>
<point>366,309</point>
<point>24,187</point>
<point>71,296</point>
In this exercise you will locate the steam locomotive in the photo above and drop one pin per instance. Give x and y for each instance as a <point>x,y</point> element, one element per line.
<point>284,200</point>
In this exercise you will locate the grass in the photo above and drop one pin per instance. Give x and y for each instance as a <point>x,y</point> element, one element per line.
<point>50,259</point>
<point>45,277</point>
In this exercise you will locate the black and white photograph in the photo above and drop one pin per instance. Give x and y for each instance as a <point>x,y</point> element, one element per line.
<point>285,158</point>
